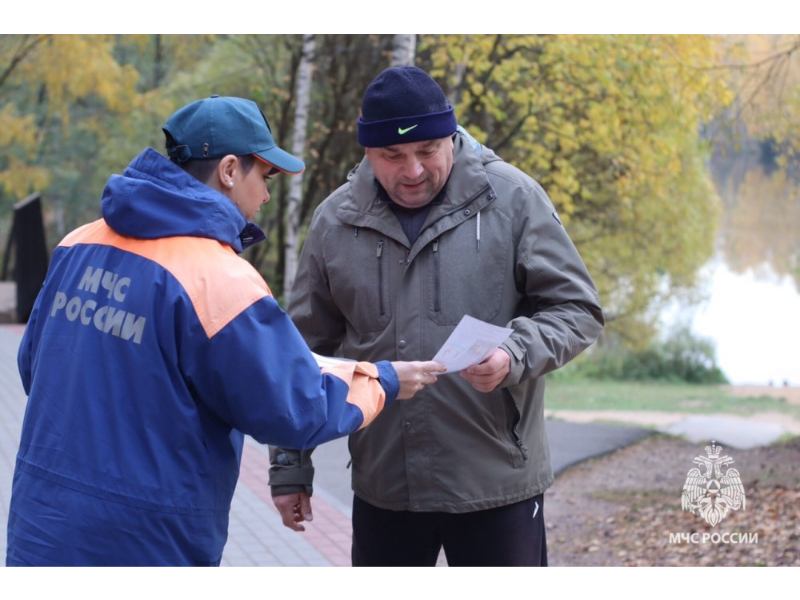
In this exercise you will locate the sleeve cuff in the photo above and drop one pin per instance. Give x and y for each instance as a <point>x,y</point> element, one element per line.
<point>517,354</point>
<point>389,381</point>
<point>291,476</point>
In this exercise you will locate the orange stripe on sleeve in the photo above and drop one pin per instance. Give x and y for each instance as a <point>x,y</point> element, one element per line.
<point>365,387</point>
<point>219,283</point>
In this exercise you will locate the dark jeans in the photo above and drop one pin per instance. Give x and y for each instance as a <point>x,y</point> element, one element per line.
<point>507,536</point>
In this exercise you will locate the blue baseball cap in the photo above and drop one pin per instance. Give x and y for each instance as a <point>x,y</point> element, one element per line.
<point>217,126</point>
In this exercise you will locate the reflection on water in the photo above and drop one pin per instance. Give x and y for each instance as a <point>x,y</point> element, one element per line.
<point>753,285</point>
<point>760,226</point>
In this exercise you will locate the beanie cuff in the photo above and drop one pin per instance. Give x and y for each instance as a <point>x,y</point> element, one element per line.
<point>402,130</point>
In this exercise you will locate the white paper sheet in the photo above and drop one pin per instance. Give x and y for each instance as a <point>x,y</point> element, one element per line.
<point>329,361</point>
<point>470,343</point>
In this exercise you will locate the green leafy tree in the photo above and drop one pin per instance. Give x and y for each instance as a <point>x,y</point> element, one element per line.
<point>616,129</point>
<point>610,125</point>
<point>77,108</point>
<point>343,67</point>
<point>53,87</point>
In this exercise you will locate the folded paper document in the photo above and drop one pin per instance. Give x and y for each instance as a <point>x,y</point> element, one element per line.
<point>470,343</point>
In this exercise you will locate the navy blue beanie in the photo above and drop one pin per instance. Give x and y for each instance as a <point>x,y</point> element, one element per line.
<point>401,105</point>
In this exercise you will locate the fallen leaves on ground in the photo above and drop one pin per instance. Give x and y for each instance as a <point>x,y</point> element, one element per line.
<point>624,509</point>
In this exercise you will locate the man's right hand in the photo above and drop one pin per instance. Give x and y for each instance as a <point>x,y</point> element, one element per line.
<point>415,375</point>
<point>294,508</point>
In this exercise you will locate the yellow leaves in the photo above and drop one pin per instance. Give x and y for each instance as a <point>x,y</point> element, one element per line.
<point>476,88</point>
<point>17,130</point>
<point>562,200</point>
<point>766,81</point>
<point>63,98</point>
<point>71,66</point>
<point>19,178</point>
<point>18,141</point>
<point>609,125</point>
<point>765,214</point>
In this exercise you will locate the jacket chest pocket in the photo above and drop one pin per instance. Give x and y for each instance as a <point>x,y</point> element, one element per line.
<point>359,281</point>
<point>468,276</point>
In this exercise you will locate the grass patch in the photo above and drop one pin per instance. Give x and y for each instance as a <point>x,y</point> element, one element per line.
<point>579,394</point>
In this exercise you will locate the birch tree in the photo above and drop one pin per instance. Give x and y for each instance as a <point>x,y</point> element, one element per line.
<point>404,47</point>
<point>303,97</point>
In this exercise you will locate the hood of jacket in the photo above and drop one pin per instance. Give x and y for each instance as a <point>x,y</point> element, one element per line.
<point>154,198</point>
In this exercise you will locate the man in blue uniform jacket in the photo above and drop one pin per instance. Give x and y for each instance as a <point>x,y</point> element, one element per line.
<point>153,348</point>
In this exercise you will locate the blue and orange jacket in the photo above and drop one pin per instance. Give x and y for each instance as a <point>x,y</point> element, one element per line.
<point>152,348</point>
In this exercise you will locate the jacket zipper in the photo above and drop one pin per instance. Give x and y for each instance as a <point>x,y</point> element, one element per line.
<point>520,444</point>
<point>379,253</point>
<point>517,417</point>
<point>436,305</point>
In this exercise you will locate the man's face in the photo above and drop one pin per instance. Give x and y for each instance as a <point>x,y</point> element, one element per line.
<point>414,173</point>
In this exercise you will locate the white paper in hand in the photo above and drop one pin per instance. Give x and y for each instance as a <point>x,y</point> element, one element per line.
<point>329,361</point>
<point>470,343</point>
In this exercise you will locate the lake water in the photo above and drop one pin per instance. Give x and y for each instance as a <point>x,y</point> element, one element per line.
<point>752,309</point>
<point>754,320</point>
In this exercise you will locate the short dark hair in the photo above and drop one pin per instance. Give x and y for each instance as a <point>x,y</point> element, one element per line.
<point>202,169</point>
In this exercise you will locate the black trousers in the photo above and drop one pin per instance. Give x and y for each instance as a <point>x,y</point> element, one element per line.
<point>506,536</point>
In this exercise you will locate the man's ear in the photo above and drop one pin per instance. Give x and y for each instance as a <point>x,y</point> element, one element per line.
<point>226,172</point>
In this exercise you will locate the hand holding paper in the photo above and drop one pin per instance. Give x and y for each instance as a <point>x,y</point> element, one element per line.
<point>411,375</point>
<point>487,375</point>
<point>471,342</point>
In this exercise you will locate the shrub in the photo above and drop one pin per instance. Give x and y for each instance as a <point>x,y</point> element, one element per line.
<point>683,356</point>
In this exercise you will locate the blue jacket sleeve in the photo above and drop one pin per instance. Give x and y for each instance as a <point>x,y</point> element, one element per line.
<point>258,375</point>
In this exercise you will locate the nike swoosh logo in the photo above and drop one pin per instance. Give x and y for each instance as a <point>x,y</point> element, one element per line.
<point>402,131</point>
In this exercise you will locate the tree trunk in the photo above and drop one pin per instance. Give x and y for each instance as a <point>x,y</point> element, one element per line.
<point>159,69</point>
<point>303,96</point>
<point>458,76</point>
<point>404,47</point>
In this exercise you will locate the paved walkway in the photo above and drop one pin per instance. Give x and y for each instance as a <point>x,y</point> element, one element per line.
<point>256,535</point>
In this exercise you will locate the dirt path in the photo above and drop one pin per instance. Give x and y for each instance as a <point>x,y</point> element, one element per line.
<point>790,393</point>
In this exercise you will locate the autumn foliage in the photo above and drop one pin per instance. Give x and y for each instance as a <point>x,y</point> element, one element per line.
<point>617,128</point>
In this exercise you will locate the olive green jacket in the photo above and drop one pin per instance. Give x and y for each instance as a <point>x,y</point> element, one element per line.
<point>493,249</point>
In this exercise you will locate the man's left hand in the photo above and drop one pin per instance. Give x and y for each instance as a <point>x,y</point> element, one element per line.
<point>486,376</point>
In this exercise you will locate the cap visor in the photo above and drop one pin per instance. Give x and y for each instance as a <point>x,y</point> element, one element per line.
<point>282,160</point>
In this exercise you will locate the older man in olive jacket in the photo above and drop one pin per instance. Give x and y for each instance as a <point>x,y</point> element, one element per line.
<point>432,226</point>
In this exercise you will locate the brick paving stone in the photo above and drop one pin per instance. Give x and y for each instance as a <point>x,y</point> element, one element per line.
<point>256,535</point>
